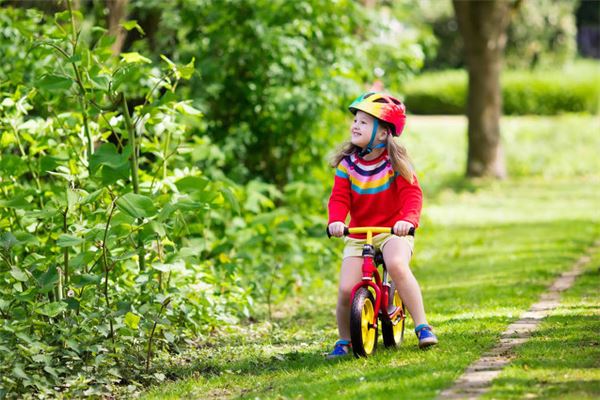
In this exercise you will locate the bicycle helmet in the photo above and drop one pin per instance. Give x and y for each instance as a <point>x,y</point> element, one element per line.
<point>383,107</point>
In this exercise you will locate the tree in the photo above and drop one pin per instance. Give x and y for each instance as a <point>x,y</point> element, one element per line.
<point>117,12</point>
<point>483,25</point>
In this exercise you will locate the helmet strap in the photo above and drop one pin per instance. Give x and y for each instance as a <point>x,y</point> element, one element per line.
<point>370,146</point>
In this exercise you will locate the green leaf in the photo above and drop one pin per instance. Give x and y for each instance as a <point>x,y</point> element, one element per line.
<point>134,58</point>
<point>26,238</point>
<point>122,74</point>
<point>114,165</point>
<point>7,241</point>
<point>133,24</point>
<point>79,281</point>
<point>231,199</point>
<point>192,184</point>
<point>48,278</point>
<point>136,205</point>
<point>19,274</point>
<point>187,70</point>
<point>52,309</point>
<point>107,154</point>
<point>19,201</point>
<point>180,71</point>
<point>185,108</point>
<point>92,197</point>
<point>169,337</point>
<point>132,320</point>
<point>49,163</point>
<point>65,240</point>
<point>51,371</point>
<point>54,83</point>
<point>75,196</point>
<point>12,165</point>
<point>19,373</point>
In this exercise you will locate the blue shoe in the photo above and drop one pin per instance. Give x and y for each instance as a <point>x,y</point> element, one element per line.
<point>340,349</point>
<point>426,336</point>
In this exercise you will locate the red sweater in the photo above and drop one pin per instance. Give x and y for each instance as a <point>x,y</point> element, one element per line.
<point>373,193</point>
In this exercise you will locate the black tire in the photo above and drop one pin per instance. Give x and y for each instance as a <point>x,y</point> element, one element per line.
<point>393,335</point>
<point>362,331</point>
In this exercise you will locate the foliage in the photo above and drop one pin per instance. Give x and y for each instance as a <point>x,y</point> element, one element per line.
<point>120,235</point>
<point>484,253</point>
<point>541,33</point>
<point>574,88</point>
<point>100,217</point>
<point>263,101</point>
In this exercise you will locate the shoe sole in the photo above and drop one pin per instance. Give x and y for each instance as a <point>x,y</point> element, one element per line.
<point>427,343</point>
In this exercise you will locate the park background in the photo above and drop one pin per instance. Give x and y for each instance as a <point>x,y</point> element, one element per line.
<point>164,179</point>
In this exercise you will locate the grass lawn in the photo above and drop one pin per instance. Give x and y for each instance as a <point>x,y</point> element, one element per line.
<point>484,254</point>
<point>562,359</point>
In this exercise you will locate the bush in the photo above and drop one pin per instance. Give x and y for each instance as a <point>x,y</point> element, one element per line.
<point>437,93</point>
<point>575,88</point>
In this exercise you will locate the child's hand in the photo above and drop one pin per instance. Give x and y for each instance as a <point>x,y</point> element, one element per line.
<point>401,228</point>
<point>336,229</point>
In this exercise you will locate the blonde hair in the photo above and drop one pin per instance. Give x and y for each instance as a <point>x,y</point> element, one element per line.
<point>397,153</point>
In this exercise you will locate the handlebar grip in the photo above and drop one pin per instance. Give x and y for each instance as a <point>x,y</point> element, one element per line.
<point>346,231</point>
<point>411,231</point>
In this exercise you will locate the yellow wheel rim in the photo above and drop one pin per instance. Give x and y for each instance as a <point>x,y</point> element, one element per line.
<point>368,330</point>
<point>398,327</point>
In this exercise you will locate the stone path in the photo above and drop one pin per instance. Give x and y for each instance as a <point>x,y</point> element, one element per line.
<point>477,378</point>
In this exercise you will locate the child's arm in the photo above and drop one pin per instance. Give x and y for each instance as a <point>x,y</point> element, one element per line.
<point>411,197</point>
<point>339,201</point>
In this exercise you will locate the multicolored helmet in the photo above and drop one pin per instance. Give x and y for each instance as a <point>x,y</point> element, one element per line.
<point>384,107</point>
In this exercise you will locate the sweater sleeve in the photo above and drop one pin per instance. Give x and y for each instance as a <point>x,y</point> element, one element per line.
<point>339,201</point>
<point>412,200</point>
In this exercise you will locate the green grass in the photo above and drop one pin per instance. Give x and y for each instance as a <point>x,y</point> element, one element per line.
<point>562,359</point>
<point>549,147</point>
<point>484,253</point>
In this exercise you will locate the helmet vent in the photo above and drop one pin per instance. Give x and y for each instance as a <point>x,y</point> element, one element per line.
<point>397,102</point>
<point>368,95</point>
<point>380,100</point>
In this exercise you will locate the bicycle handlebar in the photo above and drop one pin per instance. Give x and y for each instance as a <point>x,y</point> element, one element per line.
<point>373,229</point>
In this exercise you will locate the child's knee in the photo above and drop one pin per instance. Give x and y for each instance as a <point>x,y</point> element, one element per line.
<point>399,269</point>
<point>344,292</point>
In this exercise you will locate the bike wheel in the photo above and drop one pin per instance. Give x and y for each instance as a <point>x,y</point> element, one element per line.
<point>393,335</point>
<point>362,331</point>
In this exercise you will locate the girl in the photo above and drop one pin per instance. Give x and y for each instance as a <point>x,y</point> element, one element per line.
<point>375,183</point>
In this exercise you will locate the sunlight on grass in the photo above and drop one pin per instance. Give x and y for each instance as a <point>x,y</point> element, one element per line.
<point>484,254</point>
<point>562,359</point>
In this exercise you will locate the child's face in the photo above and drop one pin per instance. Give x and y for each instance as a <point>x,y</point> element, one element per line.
<point>362,128</point>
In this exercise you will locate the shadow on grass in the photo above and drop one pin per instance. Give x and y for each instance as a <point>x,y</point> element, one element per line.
<point>471,297</point>
<point>306,373</point>
<point>390,371</point>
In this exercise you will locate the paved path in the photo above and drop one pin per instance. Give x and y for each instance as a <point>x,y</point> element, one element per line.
<point>477,378</point>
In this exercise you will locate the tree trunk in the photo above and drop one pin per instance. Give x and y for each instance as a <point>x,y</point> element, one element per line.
<point>117,12</point>
<point>482,25</point>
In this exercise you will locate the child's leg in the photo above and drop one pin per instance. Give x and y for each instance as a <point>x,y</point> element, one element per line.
<point>350,275</point>
<point>397,254</point>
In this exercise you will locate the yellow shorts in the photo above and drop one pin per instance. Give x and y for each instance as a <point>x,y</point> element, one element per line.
<point>354,247</point>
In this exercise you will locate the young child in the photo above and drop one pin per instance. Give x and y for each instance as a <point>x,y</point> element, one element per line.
<point>375,183</point>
